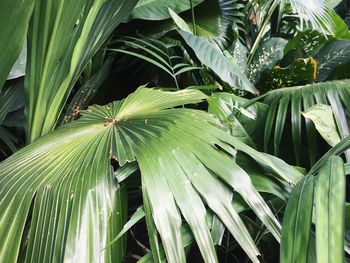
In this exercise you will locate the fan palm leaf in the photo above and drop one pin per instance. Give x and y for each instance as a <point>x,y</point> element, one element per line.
<point>317,13</point>
<point>64,182</point>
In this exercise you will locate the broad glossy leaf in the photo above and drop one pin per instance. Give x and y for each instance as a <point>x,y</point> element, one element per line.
<point>309,41</point>
<point>330,56</point>
<point>218,20</point>
<point>330,211</point>
<point>214,20</point>
<point>268,54</point>
<point>238,54</point>
<point>215,60</point>
<point>158,9</point>
<point>180,22</point>
<point>341,28</point>
<point>14,19</point>
<point>322,116</point>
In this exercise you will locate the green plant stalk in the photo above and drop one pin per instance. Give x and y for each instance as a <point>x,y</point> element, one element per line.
<point>262,30</point>
<point>193,19</point>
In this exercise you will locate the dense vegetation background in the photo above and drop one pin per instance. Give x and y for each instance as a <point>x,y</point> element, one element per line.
<point>224,136</point>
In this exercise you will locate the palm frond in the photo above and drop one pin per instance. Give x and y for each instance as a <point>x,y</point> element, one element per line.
<point>285,123</point>
<point>315,13</point>
<point>307,205</point>
<point>66,176</point>
<point>158,54</point>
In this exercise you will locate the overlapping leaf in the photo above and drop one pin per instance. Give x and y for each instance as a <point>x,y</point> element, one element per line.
<point>66,176</point>
<point>330,211</point>
<point>297,223</point>
<point>157,53</point>
<point>14,19</point>
<point>213,58</point>
<point>63,37</point>
<point>286,106</point>
<point>158,9</point>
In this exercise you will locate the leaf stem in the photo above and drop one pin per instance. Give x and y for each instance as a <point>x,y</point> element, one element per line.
<point>262,31</point>
<point>193,19</point>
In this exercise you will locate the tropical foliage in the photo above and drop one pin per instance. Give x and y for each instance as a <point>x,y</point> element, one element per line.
<point>174,131</point>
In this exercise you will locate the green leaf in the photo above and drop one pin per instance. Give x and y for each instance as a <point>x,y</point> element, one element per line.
<point>330,211</point>
<point>187,238</point>
<point>215,60</point>
<point>214,20</point>
<point>338,149</point>
<point>330,56</point>
<point>67,176</point>
<point>301,71</point>
<point>268,54</point>
<point>125,171</point>
<point>8,139</point>
<point>243,123</point>
<point>262,181</point>
<point>136,217</point>
<point>18,69</point>
<point>14,19</point>
<point>317,15</point>
<point>297,223</point>
<point>157,53</point>
<point>341,28</point>
<point>62,38</point>
<point>218,21</point>
<point>333,93</point>
<point>158,9</point>
<point>322,116</point>
<point>309,41</point>
<point>9,98</point>
<point>180,22</point>
<point>86,92</point>
<point>238,54</point>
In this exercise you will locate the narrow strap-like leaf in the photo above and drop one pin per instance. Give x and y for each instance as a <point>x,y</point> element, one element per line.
<point>280,122</point>
<point>296,125</point>
<point>297,223</point>
<point>330,212</point>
